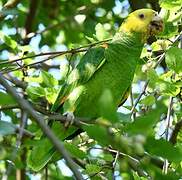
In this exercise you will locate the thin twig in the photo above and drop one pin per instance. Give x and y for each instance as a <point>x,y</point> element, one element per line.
<point>46,172</point>
<point>77,121</point>
<point>25,132</point>
<point>30,19</point>
<point>114,164</point>
<point>147,82</point>
<point>18,142</point>
<point>71,51</point>
<point>9,106</point>
<point>176,130</point>
<point>40,120</point>
<point>166,164</point>
<point>115,152</point>
<point>16,81</point>
<point>139,97</point>
<point>133,162</point>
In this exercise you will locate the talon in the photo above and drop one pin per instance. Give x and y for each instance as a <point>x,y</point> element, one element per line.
<point>69,119</point>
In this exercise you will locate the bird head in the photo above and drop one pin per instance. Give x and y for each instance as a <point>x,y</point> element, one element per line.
<point>143,21</point>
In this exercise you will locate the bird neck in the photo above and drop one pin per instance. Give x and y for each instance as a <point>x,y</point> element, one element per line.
<point>134,40</point>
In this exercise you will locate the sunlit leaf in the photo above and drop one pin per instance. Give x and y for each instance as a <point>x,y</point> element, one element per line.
<point>163,149</point>
<point>174,59</point>
<point>6,99</point>
<point>48,80</point>
<point>9,41</point>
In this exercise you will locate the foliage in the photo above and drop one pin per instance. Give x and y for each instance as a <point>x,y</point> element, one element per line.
<point>133,143</point>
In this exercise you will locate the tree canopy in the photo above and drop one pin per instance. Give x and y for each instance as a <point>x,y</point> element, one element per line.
<point>40,41</point>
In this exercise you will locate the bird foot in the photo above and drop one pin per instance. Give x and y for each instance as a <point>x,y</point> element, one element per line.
<point>69,119</point>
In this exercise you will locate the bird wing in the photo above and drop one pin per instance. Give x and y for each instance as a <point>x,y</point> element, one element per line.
<point>92,60</point>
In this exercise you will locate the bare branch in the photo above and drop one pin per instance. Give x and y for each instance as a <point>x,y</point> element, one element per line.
<point>140,96</point>
<point>30,19</point>
<point>18,142</point>
<point>71,51</point>
<point>40,120</point>
<point>114,164</point>
<point>177,129</point>
<point>25,132</point>
<point>16,81</point>
<point>166,163</point>
<point>9,106</point>
<point>77,121</point>
<point>147,82</point>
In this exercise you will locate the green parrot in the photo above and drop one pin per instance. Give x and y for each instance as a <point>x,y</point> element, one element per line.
<point>110,67</point>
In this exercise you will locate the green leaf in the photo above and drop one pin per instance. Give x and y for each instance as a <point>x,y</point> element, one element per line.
<point>98,133</point>
<point>168,88</point>
<point>6,128</point>
<point>75,151</point>
<point>101,33</point>
<point>145,122</point>
<point>148,101</point>
<point>50,94</point>
<point>43,150</point>
<point>153,77</point>
<point>124,118</point>
<point>92,169</point>
<point>174,59</point>
<point>169,30</point>
<point>9,41</point>
<point>40,155</point>
<point>170,4</point>
<point>163,149</point>
<point>48,80</point>
<point>35,92</point>
<point>6,99</point>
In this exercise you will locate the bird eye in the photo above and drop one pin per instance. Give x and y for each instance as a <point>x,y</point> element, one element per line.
<point>141,16</point>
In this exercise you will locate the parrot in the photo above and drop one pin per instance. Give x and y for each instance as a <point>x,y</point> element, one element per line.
<point>110,67</point>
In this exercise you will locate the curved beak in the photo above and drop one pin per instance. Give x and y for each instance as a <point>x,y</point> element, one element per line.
<point>156,25</point>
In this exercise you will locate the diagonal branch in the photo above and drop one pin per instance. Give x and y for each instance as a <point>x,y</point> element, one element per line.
<point>162,57</point>
<point>177,128</point>
<point>40,120</point>
<point>71,51</point>
<point>30,19</point>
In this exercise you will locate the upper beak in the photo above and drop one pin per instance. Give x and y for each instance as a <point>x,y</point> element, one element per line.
<point>156,25</point>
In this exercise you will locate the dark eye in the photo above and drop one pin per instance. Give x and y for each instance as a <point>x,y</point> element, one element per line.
<point>141,16</point>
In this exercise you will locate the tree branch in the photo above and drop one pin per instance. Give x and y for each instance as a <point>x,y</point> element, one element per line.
<point>156,65</point>
<point>30,19</point>
<point>166,163</point>
<point>25,132</point>
<point>71,51</point>
<point>16,81</point>
<point>40,120</point>
<point>177,128</point>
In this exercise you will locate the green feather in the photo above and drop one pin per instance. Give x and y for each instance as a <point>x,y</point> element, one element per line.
<point>112,68</point>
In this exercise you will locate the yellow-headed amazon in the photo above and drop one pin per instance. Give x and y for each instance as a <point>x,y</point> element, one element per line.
<point>110,67</point>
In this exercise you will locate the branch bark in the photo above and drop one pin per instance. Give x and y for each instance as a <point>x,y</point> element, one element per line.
<point>40,120</point>
<point>30,19</point>
<point>177,128</point>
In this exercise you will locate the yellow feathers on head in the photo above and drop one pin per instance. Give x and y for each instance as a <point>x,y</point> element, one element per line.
<point>144,21</point>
